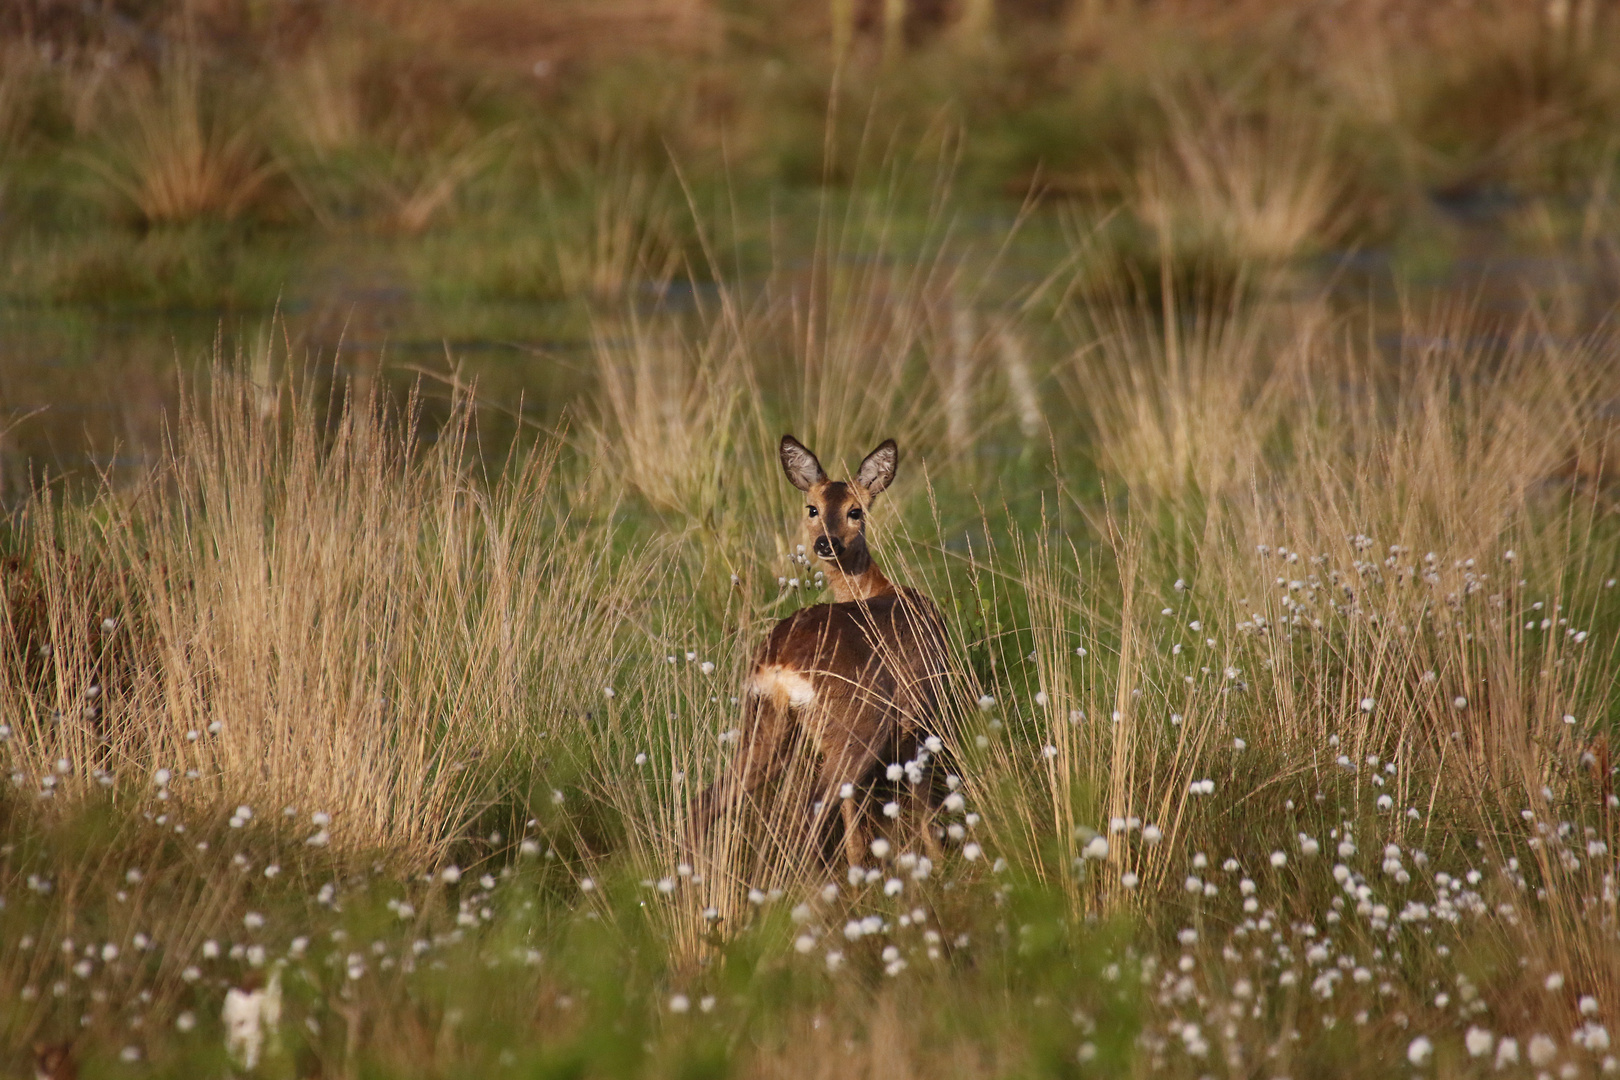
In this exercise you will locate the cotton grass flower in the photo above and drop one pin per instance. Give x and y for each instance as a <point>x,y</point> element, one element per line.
<point>249,1017</point>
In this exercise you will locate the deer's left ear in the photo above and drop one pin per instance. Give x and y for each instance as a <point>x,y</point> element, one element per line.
<point>877,471</point>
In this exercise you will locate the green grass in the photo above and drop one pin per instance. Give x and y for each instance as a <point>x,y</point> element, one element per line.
<point>1267,134</point>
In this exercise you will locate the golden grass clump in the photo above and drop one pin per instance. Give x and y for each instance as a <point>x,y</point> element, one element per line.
<point>324,612</point>
<point>417,189</point>
<point>1260,189</point>
<point>1184,407</point>
<point>174,151</point>
<point>670,410</point>
<point>320,99</point>
<point>610,225</point>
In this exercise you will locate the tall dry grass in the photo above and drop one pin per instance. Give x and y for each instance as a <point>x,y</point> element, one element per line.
<point>1184,404</point>
<point>1405,578</point>
<point>1261,189</point>
<point>325,610</point>
<point>610,226</point>
<point>874,336</point>
<point>419,187</point>
<point>320,97</point>
<point>176,149</point>
<point>673,413</point>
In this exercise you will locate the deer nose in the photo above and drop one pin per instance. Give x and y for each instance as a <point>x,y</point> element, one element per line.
<point>824,547</point>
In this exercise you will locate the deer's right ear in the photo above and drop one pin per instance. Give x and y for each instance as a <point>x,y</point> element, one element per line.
<point>803,470</point>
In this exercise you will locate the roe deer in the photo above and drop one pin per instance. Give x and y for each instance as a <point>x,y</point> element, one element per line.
<point>856,682</point>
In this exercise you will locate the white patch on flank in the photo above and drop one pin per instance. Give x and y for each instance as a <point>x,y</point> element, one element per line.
<point>784,685</point>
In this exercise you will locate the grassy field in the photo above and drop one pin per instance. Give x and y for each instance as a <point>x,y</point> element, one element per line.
<point>353,734</point>
<point>177,154</point>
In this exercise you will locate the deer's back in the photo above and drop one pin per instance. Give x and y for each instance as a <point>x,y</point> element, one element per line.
<point>876,658</point>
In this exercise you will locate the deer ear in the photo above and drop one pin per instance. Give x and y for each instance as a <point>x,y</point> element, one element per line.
<point>803,470</point>
<point>877,471</point>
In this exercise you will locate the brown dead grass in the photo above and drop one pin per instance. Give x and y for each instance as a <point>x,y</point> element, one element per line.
<point>177,153</point>
<point>332,616</point>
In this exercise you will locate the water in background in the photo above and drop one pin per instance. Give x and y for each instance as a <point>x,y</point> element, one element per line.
<point>84,392</point>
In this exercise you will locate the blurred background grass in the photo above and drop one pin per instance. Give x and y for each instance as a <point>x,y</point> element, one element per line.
<point>394,176</point>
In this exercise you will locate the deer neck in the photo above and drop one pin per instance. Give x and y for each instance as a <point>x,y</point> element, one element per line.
<point>857,577</point>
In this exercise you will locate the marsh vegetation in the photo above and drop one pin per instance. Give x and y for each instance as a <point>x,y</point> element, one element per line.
<point>1255,389</point>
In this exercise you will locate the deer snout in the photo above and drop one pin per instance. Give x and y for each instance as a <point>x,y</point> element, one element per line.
<point>827,547</point>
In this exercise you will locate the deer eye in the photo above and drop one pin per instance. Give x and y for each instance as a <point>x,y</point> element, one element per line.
<point>813,511</point>
<point>854,515</point>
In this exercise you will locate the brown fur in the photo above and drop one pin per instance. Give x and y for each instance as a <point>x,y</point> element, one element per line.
<point>54,1061</point>
<point>857,681</point>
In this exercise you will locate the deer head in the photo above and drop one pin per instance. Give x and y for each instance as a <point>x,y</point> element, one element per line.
<point>835,510</point>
